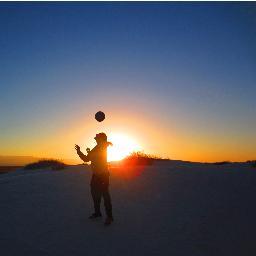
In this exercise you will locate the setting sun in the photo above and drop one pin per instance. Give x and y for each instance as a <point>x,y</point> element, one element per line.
<point>122,146</point>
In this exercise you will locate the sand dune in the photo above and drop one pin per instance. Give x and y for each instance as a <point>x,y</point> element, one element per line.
<point>165,209</point>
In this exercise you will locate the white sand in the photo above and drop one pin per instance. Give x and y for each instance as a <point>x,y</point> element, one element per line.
<point>170,209</point>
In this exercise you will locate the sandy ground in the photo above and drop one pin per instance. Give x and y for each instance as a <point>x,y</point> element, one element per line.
<point>169,209</point>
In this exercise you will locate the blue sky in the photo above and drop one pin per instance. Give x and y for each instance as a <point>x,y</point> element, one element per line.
<point>185,66</point>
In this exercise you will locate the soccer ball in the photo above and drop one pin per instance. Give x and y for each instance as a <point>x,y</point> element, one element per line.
<point>99,116</point>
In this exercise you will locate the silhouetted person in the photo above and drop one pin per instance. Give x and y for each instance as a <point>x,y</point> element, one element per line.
<point>100,176</point>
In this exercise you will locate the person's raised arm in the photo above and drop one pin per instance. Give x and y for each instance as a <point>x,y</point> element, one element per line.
<point>85,158</point>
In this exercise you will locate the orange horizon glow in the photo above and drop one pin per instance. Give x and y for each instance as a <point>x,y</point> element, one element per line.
<point>128,132</point>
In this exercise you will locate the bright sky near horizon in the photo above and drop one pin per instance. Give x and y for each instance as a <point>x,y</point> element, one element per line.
<point>177,78</point>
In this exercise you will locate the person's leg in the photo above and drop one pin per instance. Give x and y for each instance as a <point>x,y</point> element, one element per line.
<point>107,203</point>
<point>106,197</point>
<point>96,196</point>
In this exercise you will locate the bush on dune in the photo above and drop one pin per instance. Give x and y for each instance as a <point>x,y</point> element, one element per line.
<point>139,158</point>
<point>48,163</point>
<point>222,163</point>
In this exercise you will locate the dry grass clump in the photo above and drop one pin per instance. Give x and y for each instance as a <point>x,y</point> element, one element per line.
<point>140,158</point>
<point>45,164</point>
<point>222,163</point>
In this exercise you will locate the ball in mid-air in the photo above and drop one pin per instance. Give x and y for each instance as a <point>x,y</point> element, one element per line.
<point>99,116</point>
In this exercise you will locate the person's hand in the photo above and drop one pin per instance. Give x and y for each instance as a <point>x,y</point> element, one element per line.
<point>77,148</point>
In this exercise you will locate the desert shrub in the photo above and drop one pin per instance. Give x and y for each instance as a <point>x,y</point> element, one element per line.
<point>139,158</point>
<point>48,163</point>
<point>221,163</point>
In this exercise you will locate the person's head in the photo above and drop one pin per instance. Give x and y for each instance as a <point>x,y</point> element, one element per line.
<point>101,138</point>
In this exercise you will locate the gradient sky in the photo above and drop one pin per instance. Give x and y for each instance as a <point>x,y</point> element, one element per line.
<point>179,78</point>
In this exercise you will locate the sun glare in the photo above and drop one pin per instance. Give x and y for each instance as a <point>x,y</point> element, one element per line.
<point>122,146</point>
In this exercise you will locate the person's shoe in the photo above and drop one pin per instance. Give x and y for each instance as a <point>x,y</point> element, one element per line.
<point>108,221</point>
<point>95,215</point>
